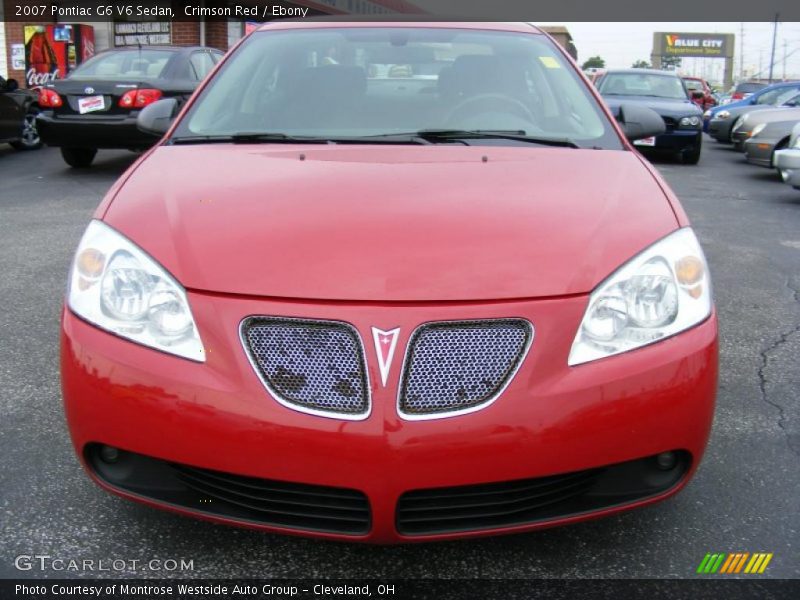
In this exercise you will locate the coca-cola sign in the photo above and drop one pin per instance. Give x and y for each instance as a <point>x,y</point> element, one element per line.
<point>52,51</point>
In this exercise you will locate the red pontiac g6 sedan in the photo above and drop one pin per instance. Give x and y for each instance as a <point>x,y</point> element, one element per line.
<point>391,282</point>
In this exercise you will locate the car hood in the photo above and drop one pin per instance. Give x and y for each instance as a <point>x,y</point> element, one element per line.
<point>666,107</point>
<point>742,110</point>
<point>771,115</point>
<point>391,223</point>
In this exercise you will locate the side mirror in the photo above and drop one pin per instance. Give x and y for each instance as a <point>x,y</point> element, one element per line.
<point>156,118</point>
<point>698,95</point>
<point>11,85</point>
<point>639,122</point>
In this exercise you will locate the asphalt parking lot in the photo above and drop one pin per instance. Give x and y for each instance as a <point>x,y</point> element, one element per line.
<point>744,497</point>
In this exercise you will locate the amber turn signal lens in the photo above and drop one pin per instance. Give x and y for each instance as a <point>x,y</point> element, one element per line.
<point>91,263</point>
<point>689,270</point>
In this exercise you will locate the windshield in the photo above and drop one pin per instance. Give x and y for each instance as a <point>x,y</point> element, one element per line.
<point>749,88</point>
<point>693,85</point>
<point>127,64</point>
<point>642,84</point>
<point>382,81</point>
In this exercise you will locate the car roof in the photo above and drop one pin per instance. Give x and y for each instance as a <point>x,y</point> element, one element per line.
<point>349,21</point>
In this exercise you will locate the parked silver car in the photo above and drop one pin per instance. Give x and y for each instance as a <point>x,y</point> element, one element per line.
<point>787,161</point>
<point>754,122</point>
<point>766,139</point>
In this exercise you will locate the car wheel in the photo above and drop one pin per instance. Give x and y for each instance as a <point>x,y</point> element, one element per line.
<point>29,140</point>
<point>78,158</point>
<point>692,155</point>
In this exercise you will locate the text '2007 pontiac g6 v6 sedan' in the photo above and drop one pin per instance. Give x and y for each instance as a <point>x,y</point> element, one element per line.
<point>391,282</point>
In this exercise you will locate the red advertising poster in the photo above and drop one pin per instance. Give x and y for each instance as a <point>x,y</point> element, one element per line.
<point>52,51</point>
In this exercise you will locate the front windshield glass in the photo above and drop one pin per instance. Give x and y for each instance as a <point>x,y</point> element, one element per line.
<point>642,84</point>
<point>381,81</point>
<point>124,64</point>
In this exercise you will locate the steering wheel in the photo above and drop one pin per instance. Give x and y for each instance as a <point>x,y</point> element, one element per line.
<point>487,103</point>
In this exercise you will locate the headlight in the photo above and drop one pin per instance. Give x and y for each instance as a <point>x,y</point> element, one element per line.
<point>689,122</point>
<point>660,292</point>
<point>757,129</point>
<point>722,115</point>
<point>116,286</point>
<point>796,142</point>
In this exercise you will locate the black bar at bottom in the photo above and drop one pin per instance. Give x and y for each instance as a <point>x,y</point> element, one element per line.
<point>711,587</point>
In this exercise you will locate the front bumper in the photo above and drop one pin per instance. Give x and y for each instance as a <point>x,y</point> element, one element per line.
<point>759,151</point>
<point>787,161</point>
<point>92,131</point>
<point>552,419</point>
<point>678,140</point>
<point>720,129</point>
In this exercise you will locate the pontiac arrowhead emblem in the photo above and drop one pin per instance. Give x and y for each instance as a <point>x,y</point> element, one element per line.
<point>88,90</point>
<point>385,344</point>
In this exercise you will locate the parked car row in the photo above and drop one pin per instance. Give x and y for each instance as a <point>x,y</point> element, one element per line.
<point>765,126</point>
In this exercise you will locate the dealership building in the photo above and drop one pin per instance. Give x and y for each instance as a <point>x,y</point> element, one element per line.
<point>73,39</point>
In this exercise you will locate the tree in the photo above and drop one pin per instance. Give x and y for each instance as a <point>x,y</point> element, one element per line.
<point>594,62</point>
<point>670,62</point>
<point>641,64</point>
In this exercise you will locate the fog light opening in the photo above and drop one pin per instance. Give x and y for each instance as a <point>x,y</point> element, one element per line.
<point>109,454</point>
<point>666,461</point>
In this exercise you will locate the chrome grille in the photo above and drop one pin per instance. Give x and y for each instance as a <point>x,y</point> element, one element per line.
<point>456,366</point>
<point>312,366</point>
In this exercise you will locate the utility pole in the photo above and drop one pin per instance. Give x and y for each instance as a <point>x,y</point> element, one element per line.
<point>772,56</point>
<point>741,52</point>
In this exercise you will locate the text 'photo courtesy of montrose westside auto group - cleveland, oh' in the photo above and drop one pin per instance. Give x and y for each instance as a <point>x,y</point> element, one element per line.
<point>399,299</point>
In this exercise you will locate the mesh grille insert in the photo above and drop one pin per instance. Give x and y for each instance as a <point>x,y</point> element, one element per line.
<point>455,366</point>
<point>311,365</point>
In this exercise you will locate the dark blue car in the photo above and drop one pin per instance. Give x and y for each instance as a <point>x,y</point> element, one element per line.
<point>666,94</point>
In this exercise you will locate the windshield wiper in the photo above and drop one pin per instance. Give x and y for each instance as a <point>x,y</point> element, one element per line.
<point>517,135</point>
<point>423,136</point>
<point>249,138</point>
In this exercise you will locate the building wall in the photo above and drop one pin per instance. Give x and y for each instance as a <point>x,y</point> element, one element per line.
<point>4,58</point>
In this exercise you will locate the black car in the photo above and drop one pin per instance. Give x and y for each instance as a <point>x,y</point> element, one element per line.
<point>18,110</point>
<point>665,93</point>
<point>97,104</point>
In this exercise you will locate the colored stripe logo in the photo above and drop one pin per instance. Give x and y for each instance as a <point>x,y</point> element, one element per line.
<point>733,563</point>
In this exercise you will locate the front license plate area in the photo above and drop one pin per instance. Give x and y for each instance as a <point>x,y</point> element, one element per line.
<point>649,141</point>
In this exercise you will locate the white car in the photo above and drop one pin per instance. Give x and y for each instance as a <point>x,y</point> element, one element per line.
<point>787,161</point>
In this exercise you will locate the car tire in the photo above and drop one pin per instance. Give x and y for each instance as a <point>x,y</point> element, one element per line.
<point>30,139</point>
<point>692,155</point>
<point>78,158</point>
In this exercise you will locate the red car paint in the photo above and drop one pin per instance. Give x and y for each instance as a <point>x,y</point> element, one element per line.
<point>707,100</point>
<point>391,237</point>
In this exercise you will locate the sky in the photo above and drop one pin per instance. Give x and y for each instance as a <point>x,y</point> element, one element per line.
<point>621,44</point>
